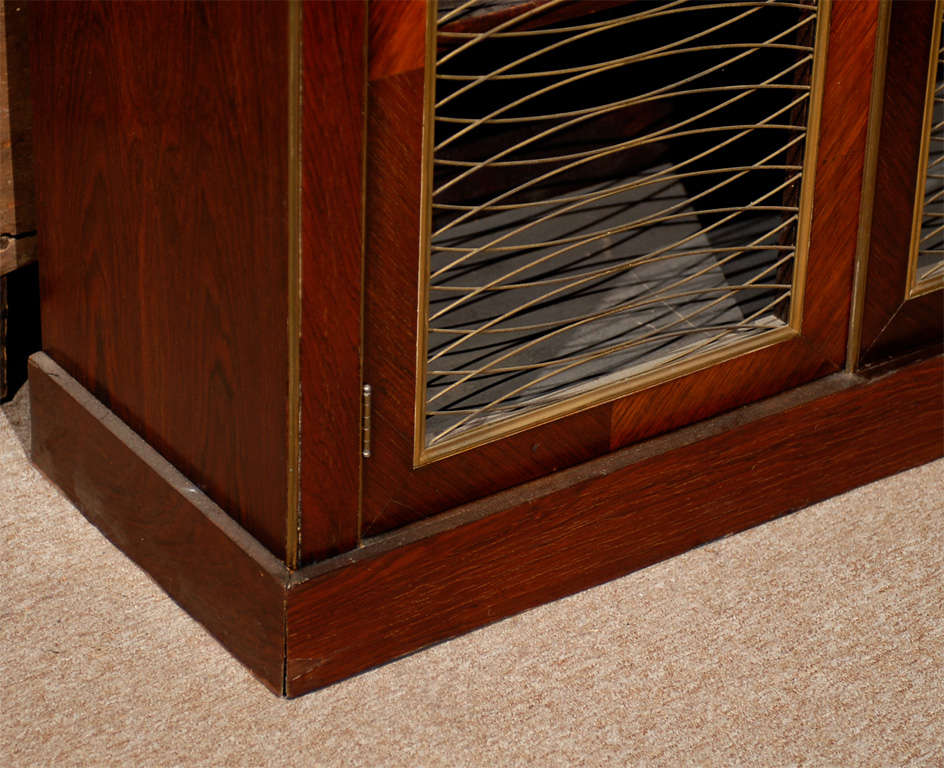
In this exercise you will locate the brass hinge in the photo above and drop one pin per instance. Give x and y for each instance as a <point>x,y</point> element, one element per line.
<point>365,421</point>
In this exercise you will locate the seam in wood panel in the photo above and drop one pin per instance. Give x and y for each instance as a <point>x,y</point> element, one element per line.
<point>294,288</point>
<point>363,283</point>
<point>867,196</point>
<point>284,643</point>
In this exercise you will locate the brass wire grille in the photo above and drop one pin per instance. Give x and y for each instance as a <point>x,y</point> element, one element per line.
<point>927,260</point>
<point>613,195</point>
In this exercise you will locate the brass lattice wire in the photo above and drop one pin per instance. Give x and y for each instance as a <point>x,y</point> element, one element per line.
<point>930,236</point>
<point>611,192</point>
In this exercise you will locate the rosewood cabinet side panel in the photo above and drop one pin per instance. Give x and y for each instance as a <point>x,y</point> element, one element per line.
<point>161,157</point>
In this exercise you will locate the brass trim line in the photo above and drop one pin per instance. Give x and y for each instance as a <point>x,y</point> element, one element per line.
<point>913,286</point>
<point>294,174</point>
<point>365,53</point>
<point>478,436</point>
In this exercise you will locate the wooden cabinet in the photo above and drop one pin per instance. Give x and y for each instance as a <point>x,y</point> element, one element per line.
<point>366,324</point>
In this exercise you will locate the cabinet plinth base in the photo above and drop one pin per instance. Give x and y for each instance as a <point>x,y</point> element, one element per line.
<point>302,630</point>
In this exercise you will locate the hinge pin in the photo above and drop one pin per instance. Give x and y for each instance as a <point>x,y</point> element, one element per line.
<point>365,421</point>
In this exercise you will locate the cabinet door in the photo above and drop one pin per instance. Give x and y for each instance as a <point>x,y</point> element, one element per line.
<point>592,222</point>
<point>902,309</point>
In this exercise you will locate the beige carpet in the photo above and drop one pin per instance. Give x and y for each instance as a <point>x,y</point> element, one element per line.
<point>817,639</point>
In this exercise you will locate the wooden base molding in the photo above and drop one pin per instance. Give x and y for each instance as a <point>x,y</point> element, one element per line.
<point>201,557</point>
<point>402,591</point>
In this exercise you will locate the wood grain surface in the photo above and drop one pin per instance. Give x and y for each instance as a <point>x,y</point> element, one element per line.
<point>397,37</point>
<point>215,570</point>
<point>396,493</point>
<point>163,206</point>
<point>333,102</point>
<point>891,325</point>
<point>161,160</point>
<point>580,528</point>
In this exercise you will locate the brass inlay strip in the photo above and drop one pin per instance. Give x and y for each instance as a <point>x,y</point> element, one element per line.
<point>362,288</point>
<point>929,157</point>
<point>718,346</point>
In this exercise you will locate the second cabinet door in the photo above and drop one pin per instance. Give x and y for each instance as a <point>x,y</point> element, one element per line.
<point>902,308</point>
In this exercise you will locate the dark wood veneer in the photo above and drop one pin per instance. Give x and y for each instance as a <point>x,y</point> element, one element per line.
<point>396,37</point>
<point>162,204</point>
<point>17,208</point>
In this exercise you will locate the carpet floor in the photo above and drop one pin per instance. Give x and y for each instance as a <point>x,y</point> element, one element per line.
<point>817,639</point>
